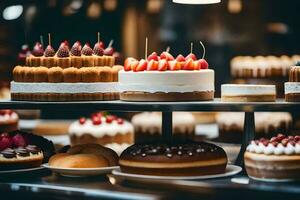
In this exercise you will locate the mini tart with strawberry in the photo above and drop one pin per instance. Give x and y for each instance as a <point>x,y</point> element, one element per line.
<point>49,59</point>
<point>35,59</point>
<point>275,159</point>
<point>164,78</point>
<point>76,60</point>
<point>19,150</point>
<point>63,56</point>
<point>107,130</point>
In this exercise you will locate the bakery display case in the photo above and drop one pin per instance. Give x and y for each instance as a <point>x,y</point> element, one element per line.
<point>149,99</point>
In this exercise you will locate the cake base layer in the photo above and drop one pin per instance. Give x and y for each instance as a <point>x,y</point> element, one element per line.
<point>272,166</point>
<point>292,97</point>
<point>104,140</point>
<point>249,98</point>
<point>65,96</point>
<point>170,96</point>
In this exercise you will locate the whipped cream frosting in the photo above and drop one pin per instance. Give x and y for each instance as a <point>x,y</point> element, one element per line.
<point>118,148</point>
<point>270,149</point>
<point>247,89</point>
<point>110,129</point>
<point>69,88</point>
<point>167,81</point>
<point>291,87</point>
<point>9,117</point>
<point>151,122</point>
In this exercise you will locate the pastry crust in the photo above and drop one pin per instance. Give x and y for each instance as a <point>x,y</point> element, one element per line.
<point>105,74</point>
<point>76,61</point>
<point>64,62</point>
<point>71,75</point>
<point>49,62</point>
<point>55,75</point>
<point>17,73</point>
<point>115,72</point>
<point>41,74</point>
<point>87,61</point>
<point>90,74</point>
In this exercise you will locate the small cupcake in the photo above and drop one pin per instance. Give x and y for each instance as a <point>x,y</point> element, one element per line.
<point>98,52</point>
<point>63,56</point>
<point>71,75</point>
<point>76,59</point>
<point>55,75</point>
<point>49,60</point>
<point>87,56</point>
<point>36,55</point>
<point>105,74</point>
<point>41,74</point>
<point>90,74</point>
<point>115,72</point>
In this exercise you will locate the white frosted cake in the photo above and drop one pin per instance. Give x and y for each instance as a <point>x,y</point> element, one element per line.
<point>292,88</point>
<point>248,93</point>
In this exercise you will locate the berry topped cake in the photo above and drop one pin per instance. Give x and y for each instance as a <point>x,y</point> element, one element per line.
<point>165,78</point>
<point>274,159</point>
<point>23,150</point>
<point>81,73</point>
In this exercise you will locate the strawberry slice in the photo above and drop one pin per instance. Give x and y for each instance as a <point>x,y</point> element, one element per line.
<point>204,64</point>
<point>192,56</point>
<point>142,66</point>
<point>153,56</point>
<point>162,65</point>
<point>180,58</point>
<point>152,65</point>
<point>174,65</point>
<point>197,65</point>
<point>134,64</point>
<point>189,65</point>
<point>167,56</point>
<point>127,63</point>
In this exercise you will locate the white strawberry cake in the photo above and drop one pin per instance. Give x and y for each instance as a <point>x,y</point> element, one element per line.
<point>164,78</point>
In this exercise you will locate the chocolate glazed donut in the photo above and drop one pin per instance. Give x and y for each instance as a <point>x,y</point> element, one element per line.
<point>188,159</point>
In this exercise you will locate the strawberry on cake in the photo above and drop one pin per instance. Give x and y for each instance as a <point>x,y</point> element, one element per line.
<point>165,78</point>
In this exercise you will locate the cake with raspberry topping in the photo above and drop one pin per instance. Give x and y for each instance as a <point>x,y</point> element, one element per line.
<point>292,88</point>
<point>81,73</point>
<point>20,150</point>
<point>8,121</point>
<point>107,130</point>
<point>277,158</point>
<point>164,78</point>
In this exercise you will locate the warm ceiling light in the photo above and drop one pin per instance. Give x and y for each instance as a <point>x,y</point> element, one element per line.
<point>196,1</point>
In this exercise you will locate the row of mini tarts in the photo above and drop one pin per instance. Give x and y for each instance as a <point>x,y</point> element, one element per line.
<point>72,61</point>
<point>68,75</point>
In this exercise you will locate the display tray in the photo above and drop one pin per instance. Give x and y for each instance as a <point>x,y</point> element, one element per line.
<point>215,105</point>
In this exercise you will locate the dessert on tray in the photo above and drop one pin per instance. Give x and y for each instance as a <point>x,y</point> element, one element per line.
<point>85,156</point>
<point>248,93</point>
<point>274,159</point>
<point>165,78</point>
<point>178,159</point>
<point>19,150</point>
<point>8,121</point>
<point>292,88</point>
<point>107,130</point>
<point>267,124</point>
<point>81,73</point>
<point>148,125</point>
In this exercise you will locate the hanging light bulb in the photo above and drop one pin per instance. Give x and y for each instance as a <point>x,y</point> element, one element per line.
<point>196,1</point>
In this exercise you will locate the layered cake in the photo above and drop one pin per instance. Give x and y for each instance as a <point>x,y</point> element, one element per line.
<point>231,125</point>
<point>81,73</point>
<point>20,150</point>
<point>148,126</point>
<point>164,78</point>
<point>292,88</point>
<point>277,159</point>
<point>85,156</point>
<point>248,93</point>
<point>178,159</point>
<point>8,121</point>
<point>107,130</point>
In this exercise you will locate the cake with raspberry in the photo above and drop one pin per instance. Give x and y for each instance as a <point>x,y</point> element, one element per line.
<point>19,150</point>
<point>267,124</point>
<point>292,88</point>
<point>148,126</point>
<point>277,159</point>
<point>107,130</point>
<point>8,121</point>
<point>165,78</point>
<point>248,93</point>
<point>81,73</point>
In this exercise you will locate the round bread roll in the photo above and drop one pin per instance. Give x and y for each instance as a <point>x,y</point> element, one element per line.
<point>188,159</point>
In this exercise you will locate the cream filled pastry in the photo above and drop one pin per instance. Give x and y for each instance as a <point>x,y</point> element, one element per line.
<point>101,129</point>
<point>248,93</point>
<point>275,159</point>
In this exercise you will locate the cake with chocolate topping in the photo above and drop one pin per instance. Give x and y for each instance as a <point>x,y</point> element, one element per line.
<point>274,159</point>
<point>107,130</point>
<point>177,159</point>
<point>8,121</point>
<point>66,75</point>
<point>20,150</point>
